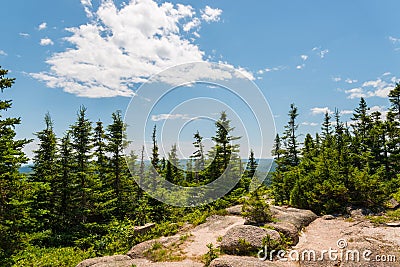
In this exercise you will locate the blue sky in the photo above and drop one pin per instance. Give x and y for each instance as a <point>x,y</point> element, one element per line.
<point>320,55</point>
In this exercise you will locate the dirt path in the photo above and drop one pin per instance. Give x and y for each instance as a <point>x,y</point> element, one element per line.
<point>216,226</point>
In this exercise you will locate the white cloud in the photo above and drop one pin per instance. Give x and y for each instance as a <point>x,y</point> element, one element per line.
<point>386,74</point>
<point>304,57</point>
<point>120,47</point>
<point>306,123</point>
<point>195,23</point>
<point>380,109</point>
<point>209,14</point>
<point>380,87</point>
<point>394,40</point>
<point>316,111</point>
<point>355,93</point>
<point>350,81</point>
<point>162,117</point>
<point>23,34</point>
<point>46,41</point>
<point>3,53</point>
<point>320,52</point>
<point>346,112</point>
<point>300,67</point>
<point>42,26</point>
<point>336,79</point>
<point>87,5</point>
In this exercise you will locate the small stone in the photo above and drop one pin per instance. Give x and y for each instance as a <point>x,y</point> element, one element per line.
<point>328,217</point>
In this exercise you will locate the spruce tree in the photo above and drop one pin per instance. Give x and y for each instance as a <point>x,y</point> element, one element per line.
<point>82,144</point>
<point>14,189</point>
<point>45,173</point>
<point>117,142</point>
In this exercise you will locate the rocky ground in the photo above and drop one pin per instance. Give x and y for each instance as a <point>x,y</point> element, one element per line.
<point>352,241</point>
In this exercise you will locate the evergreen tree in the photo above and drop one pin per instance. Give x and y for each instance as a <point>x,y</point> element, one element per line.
<point>290,137</point>
<point>116,137</point>
<point>66,208</point>
<point>14,190</point>
<point>394,98</point>
<point>45,172</point>
<point>198,157</point>
<point>82,144</point>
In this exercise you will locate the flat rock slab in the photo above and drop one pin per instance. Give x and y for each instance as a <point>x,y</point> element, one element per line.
<point>237,261</point>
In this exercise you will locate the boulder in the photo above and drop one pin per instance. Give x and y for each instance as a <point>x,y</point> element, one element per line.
<point>236,261</point>
<point>139,250</point>
<point>393,204</point>
<point>244,239</point>
<point>108,261</point>
<point>299,218</point>
<point>235,210</point>
<point>144,229</point>
<point>287,229</point>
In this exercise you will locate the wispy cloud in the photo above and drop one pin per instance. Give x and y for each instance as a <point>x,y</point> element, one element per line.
<point>306,123</point>
<point>320,52</point>
<point>346,112</point>
<point>3,53</point>
<point>87,5</point>
<point>317,111</point>
<point>266,70</point>
<point>46,41</point>
<point>396,42</point>
<point>209,14</point>
<point>304,57</point>
<point>42,26</point>
<point>121,47</point>
<point>336,79</point>
<point>162,117</point>
<point>350,81</point>
<point>25,35</point>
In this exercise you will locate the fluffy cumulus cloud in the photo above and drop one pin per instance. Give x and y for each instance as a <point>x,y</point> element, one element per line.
<point>374,88</point>
<point>3,53</point>
<point>211,14</point>
<point>46,41</point>
<point>42,26</point>
<point>121,46</point>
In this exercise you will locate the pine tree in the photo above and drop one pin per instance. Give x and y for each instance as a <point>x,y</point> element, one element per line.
<point>66,207</point>
<point>198,157</point>
<point>290,137</point>
<point>14,190</point>
<point>394,98</point>
<point>82,144</point>
<point>116,137</point>
<point>224,152</point>
<point>45,173</point>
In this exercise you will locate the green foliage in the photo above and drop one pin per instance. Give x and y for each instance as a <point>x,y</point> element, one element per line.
<point>341,166</point>
<point>256,209</point>
<point>211,255</point>
<point>49,257</point>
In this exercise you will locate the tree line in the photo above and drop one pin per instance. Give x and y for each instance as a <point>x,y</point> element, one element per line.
<point>82,181</point>
<point>355,163</point>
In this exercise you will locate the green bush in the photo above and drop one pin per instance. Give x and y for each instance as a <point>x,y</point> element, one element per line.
<point>50,257</point>
<point>256,209</point>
